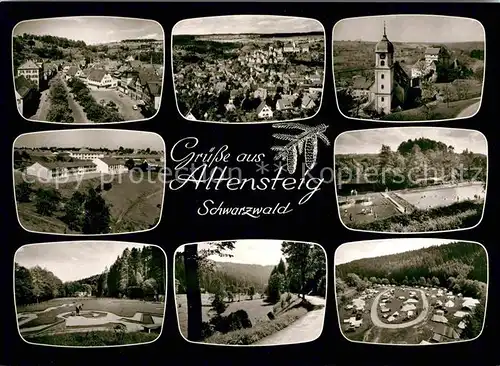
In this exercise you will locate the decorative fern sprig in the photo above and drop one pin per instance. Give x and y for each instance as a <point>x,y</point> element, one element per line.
<point>304,142</point>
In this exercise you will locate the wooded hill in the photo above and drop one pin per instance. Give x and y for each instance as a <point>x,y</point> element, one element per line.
<point>418,158</point>
<point>235,275</point>
<point>137,273</point>
<point>462,265</point>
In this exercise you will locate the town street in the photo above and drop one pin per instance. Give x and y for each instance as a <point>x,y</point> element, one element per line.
<point>305,329</point>
<point>43,107</point>
<point>378,323</point>
<point>470,110</point>
<point>125,103</point>
<point>79,115</point>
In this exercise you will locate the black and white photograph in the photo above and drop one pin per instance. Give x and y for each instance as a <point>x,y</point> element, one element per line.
<point>411,179</point>
<point>248,68</point>
<point>88,69</point>
<point>409,67</point>
<point>91,181</point>
<point>250,292</point>
<point>90,293</point>
<point>416,291</point>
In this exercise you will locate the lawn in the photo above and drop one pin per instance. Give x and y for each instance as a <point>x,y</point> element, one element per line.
<point>120,307</point>
<point>381,206</point>
<point>95,339</point>
<point>134,204</point>
<point>257,309</point>
<point>440,110</point>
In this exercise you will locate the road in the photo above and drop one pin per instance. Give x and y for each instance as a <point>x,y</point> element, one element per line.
<point>470,110</point>
<point>79,115</point>
<point>125,103</point>
<point>43,107</point>
<point>305,329</point>
<point>378,323</point>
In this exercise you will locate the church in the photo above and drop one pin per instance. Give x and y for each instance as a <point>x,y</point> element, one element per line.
<point>389,89</point>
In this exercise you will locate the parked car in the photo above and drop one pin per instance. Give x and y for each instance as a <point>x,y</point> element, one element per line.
<point>135,107</point>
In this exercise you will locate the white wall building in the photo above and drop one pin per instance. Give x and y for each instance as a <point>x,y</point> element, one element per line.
<point>85,154</point>
<point>110,165</point>
<point>58,170</point>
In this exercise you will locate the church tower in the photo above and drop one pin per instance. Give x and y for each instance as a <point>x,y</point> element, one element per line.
<point>384,74</point>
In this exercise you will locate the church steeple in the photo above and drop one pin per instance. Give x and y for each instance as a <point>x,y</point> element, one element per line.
<point>385,34</point>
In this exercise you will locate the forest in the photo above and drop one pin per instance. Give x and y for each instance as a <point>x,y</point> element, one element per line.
<point>303,270</point>
<point>413,160</point>
<point>460,266</point>
<point>136,273</point>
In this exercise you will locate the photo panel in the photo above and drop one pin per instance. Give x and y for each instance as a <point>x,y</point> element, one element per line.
<point>248,68</point>
<point>415,68</point>
<point>90,293</point>
<point>411,179</point>
<point>250,292</point>
<point>89,181</point>
<point>88,69</point>
<point>411,291</point>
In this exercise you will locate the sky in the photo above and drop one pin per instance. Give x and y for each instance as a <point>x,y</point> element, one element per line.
<point>238,24</point>
<point>349,252</point>
<point>111,139</point>
<point>370,141</point>
<point>263,252</point>
<point>92,30</point>
<point>71,261</point>
<point>418,29</point>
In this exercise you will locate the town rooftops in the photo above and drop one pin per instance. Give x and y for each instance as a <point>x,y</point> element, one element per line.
<point>361,83</point>
<point>261,106</point>
<point>446,331</point>
<point>23,86</point>
<point>63,164</point>
<point>284,103</point>
<point>96,75</point>
<point>155,88</point>
<point>28,65</point>
<point>111,161</point>
<point>433,50</point>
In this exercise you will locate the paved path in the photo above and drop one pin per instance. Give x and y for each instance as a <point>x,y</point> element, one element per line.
<point>79,115</point>
<point>43,107</point>
<point>305,329</point>
<point>470,110</point>
<point>125,103</point>
<point>378,323</point>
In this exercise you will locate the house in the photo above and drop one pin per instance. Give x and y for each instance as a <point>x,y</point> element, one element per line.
<point>260,93</point>
<point>57,170</point>
<point>361,87</point>
<point>71,72</point>
<point>264,111</point>
<point>437,54</point>
<point>308,102</point>
<point>101,79</point>
<point>27,96</point>
<point>86,154</point>
<point>108,165</point>
<point>284,104</point>
<point>444,333</point>
<point>31,71</point>
<point>189,116</point>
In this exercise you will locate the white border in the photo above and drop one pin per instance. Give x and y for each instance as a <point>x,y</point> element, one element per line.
<point>102,242</point>
<point>90,16</point>
<point>88,129</point>
<point>409,15</point>
<point>255,122</point>
<point>406,344</point>
<point>252,345</point>
<point>409,232</point>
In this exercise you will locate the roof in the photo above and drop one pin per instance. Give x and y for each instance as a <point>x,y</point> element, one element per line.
<point>261,107</point>
<point>23,85</point>
<point>64,164</point>
<point>284,103</point>
<point>155,88</point>
<point>446,331</point>
<point>28,65</point>
<point>307,101</point>
<point>111,161</point>
<point>83,150</point>
<point>96,75</point>
<point>72,71</point>
<point>384,45</point>
<point>433,50</point>
<point>362,83</point>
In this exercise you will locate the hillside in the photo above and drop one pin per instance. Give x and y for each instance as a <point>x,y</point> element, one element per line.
<point>460,259</point>
<point>254,274</point>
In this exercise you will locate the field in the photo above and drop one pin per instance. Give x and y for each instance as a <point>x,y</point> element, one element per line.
<point>372,208</point>
<point>256,309</point>
<point>401,331</point>
<point>102,321</point>
<point>134,204</point>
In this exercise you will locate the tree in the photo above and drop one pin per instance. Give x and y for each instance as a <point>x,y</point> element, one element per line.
<point>97,216</point>
<point>193,259</point>
<point>23,192</point>
<point>130,164</point>
<point>251,292</point>
<point>299,266</point>
<point>275,287</point>
<point>448,94</point>
<point>47,201</point>
<point>474,322</point>
<point>435,281</point>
